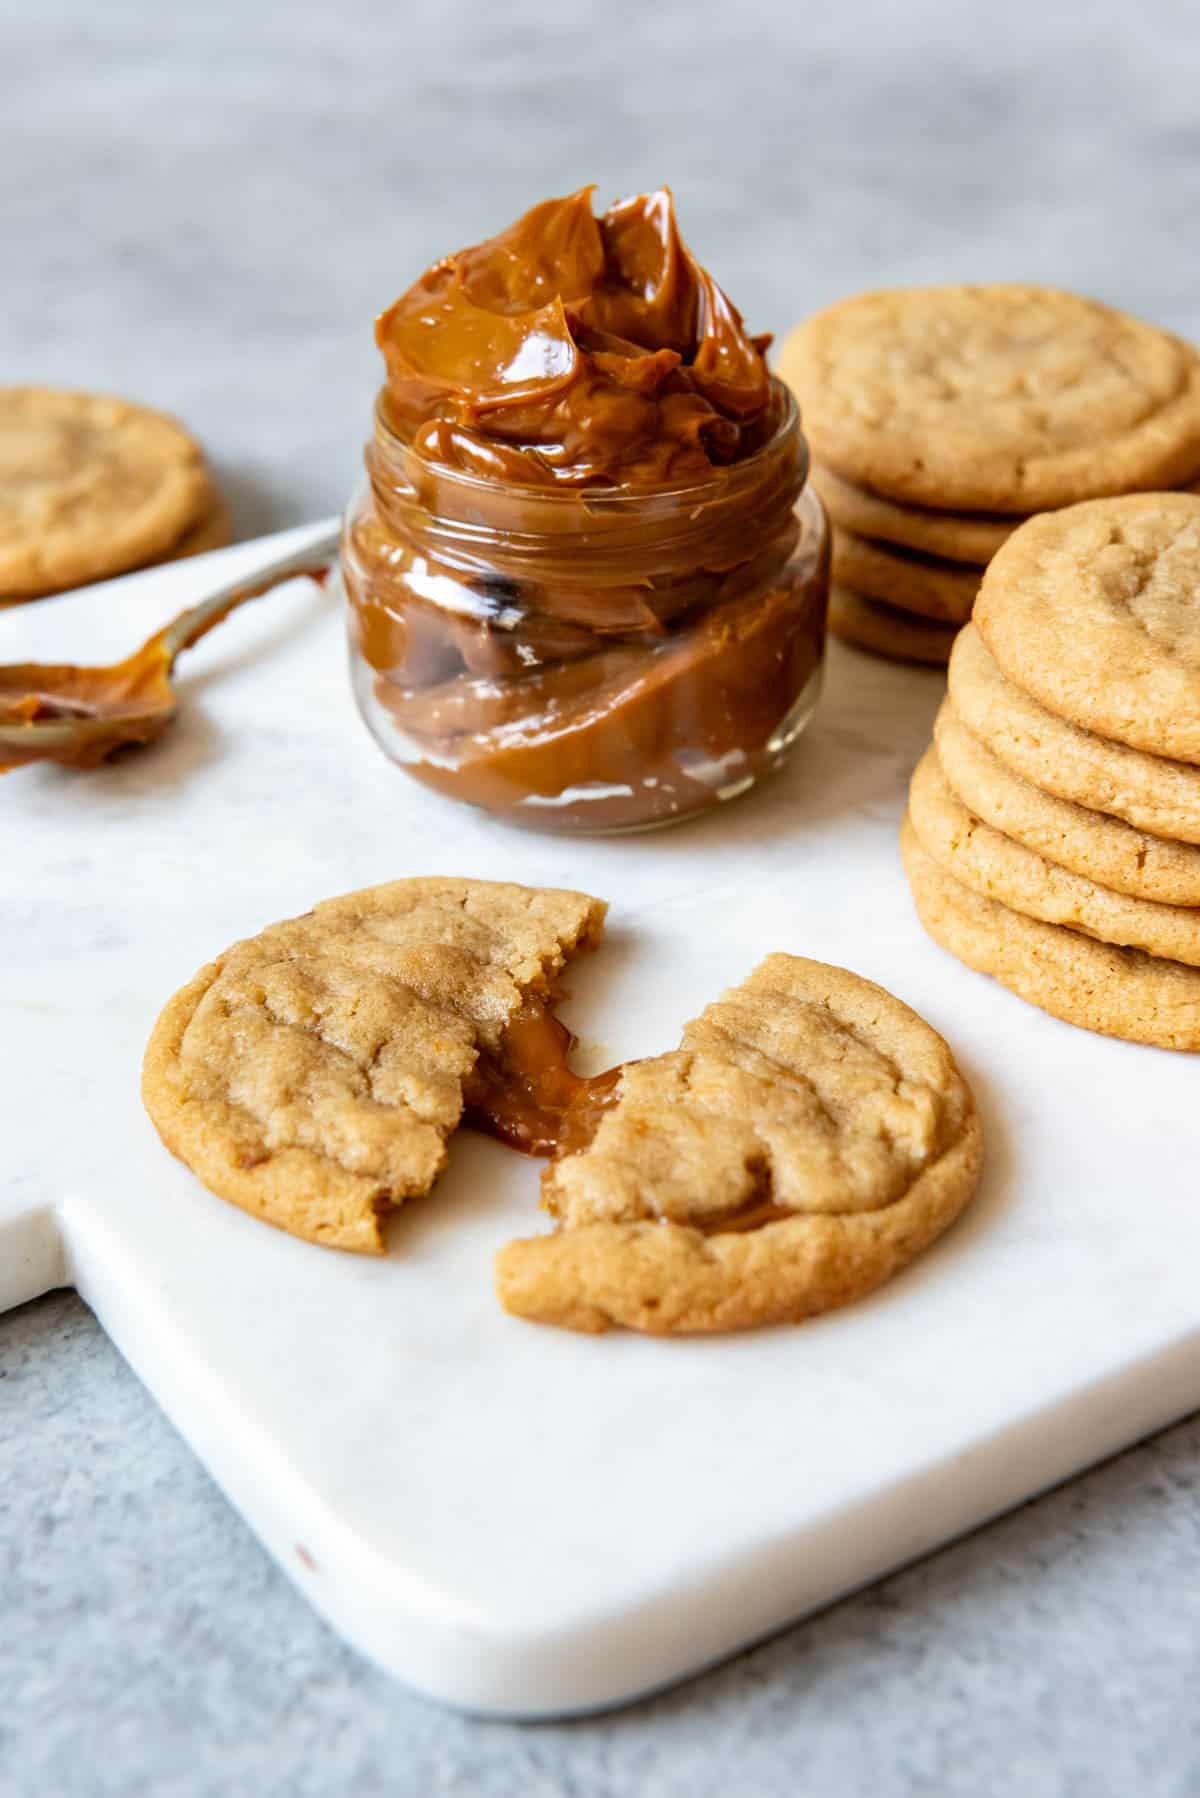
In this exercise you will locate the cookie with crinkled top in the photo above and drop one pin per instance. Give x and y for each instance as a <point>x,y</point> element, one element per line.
<point>1105,849</point>
<point>1095,611</point>
<point>807,1140</point>
<point>1150,792</point>
<point>90,486</point>
<point>997,398</point>
<point>1097,986</point>
<point>313,1073</point>
<point>986,860</point>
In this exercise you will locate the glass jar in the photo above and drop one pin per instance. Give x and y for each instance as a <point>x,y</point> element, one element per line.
<point>587,659</point>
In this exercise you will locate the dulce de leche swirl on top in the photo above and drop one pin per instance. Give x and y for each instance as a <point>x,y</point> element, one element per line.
<point>577,350</point>
<point>582,593</point>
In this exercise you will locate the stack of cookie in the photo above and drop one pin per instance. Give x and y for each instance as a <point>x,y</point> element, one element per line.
<point>91,487</point>
<point>1053,829</point>
<point>940,417</point>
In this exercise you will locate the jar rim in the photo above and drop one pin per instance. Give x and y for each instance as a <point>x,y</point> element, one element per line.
<point>611,498</point>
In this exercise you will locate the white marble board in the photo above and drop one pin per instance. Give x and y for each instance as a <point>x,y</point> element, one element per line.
<point>514,1519</point>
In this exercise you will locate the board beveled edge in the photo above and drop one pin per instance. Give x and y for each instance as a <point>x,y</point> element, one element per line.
<point>33,1256</point>
<point>432,1642</point>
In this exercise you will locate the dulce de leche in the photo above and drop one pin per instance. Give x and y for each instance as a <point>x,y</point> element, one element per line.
<point>586,581</point>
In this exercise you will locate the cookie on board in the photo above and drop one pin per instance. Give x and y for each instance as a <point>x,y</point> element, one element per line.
<point>807,1140</point>
<point>1150,792</point>
<point>1105,849</point>
<point>313,1073</point>
<point>997,866</point>
<point>1117,992</point>
<point>1095,611</point>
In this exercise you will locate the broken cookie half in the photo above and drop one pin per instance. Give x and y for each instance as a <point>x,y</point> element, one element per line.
<point>808,1139</point>
<point>313,1074</point>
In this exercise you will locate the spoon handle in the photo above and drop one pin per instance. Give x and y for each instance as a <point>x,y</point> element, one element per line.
<point>193,624</point>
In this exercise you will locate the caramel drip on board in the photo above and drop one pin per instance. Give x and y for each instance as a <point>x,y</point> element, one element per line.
<point>526,1095</point>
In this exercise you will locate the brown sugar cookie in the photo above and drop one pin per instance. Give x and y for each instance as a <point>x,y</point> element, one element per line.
<point>993,864</point>
<point>904,579</point>
<point>807,1140</point>
<point>90,486</point>
<point>1095,610</point>
<point>968,537</point>
<point>1117,992</point>
<point>1001,398</point>
<point>1150,792</point>
<point>1106,850</point>
<point>212,530</point>
<point>313,1073</point>
<point>887,632</point>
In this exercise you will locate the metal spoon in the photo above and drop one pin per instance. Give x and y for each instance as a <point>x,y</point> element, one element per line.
<point>79,716</point>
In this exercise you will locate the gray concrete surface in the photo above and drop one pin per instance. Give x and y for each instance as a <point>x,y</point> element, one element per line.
<point>203,207</point>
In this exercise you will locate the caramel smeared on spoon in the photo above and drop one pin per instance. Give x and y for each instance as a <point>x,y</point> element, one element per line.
<point>78,717</point>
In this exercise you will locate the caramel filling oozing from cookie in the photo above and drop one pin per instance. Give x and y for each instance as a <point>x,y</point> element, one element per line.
<point>808,1138</point>
<point>754,1215</point>
<point>527,1096</point>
